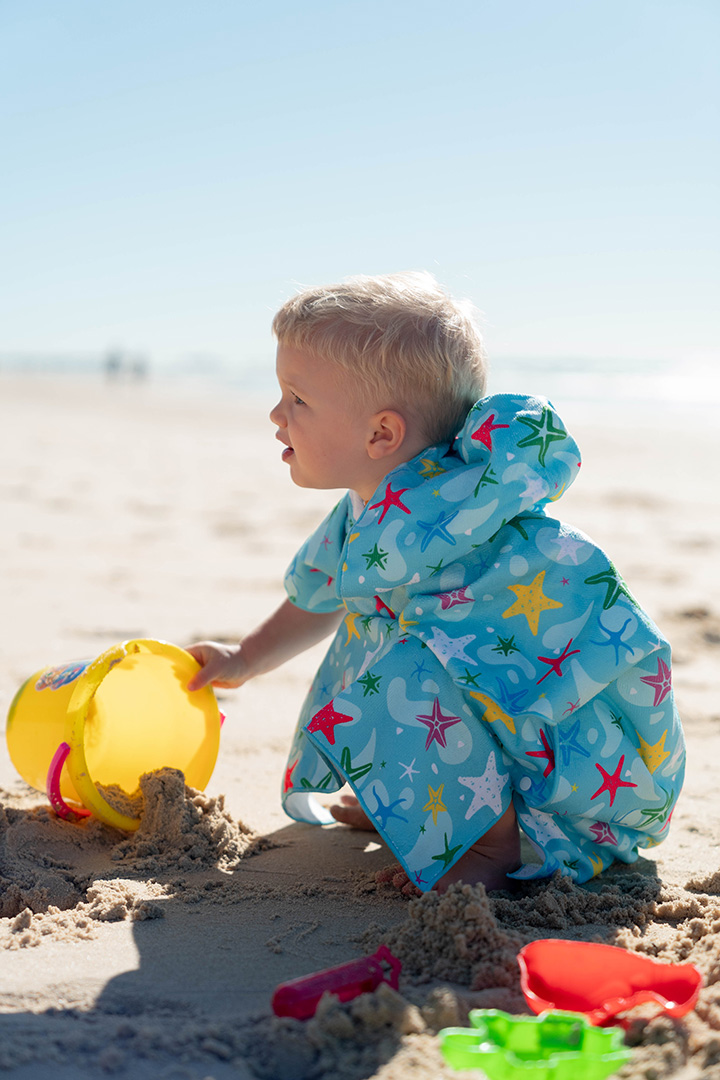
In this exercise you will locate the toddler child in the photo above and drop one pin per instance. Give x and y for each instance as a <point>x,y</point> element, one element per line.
<point>489,668</point>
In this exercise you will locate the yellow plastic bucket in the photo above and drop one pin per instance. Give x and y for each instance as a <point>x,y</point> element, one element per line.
<point>109,720</point>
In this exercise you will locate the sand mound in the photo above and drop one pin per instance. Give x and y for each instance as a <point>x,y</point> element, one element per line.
<point>50,867</point>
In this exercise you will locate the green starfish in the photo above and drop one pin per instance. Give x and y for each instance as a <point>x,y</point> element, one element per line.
<point>435,569</point>
<point>376,557</point>
<point>468,679</point>
<point>616,720</point>
<point>661,812</point>
<point>446,856</point>
<point>353,772</point>
<point>614,585</point>
<point>317,787</point>
<point>365,622</point>
<point>506,645</point>
<point>370,683</point>
<point>516,523</point>
<point>572,864</point>
<point>486,478</point>
<point>542,433</point>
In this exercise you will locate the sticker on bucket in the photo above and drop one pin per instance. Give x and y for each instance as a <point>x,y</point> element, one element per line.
<point>55,677</point>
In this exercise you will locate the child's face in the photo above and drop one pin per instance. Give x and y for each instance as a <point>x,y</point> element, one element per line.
<point>321,424</point>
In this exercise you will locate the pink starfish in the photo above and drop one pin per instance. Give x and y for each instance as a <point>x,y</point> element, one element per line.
<point>603,833</point>
<point>437,722</point>
<point>661,683</point>
<point>457,596</point>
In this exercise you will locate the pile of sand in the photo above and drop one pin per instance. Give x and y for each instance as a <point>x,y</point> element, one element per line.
<point>59,877</point>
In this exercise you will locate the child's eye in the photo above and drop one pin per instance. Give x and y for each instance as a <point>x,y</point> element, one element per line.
<point>298,401</point>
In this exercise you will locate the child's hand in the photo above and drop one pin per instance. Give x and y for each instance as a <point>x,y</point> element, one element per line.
<point>220,665</point>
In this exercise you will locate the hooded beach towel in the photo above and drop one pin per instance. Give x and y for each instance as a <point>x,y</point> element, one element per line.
<point>489,653</point>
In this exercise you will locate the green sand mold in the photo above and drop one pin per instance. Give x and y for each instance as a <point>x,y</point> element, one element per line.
<point>553,1046</point>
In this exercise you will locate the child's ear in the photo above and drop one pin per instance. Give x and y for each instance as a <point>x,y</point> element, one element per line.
<point>386,435</point>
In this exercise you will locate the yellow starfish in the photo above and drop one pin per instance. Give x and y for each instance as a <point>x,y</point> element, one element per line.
<point>435,803</point>
<point>404,623</point>
<point>493,711</point>
<point>353,536</point>
<point>431,468</point>
<point>351,627</point>
<point>531,602</point>
<point>653,754</point>
<point>597,865</point>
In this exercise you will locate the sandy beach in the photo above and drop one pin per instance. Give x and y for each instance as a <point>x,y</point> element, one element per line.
<point>129,511</point>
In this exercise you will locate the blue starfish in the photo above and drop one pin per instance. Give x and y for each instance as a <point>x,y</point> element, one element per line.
<point>614,637</point>
<point>569,744</point>
<point>438,528</point>
<point>384,811</point>
<point>420,669</point>
<point>509,702</point>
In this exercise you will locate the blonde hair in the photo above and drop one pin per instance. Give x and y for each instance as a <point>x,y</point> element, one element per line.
<point>405,339</point>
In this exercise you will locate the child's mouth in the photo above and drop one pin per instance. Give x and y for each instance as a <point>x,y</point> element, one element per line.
<point>287,453</point>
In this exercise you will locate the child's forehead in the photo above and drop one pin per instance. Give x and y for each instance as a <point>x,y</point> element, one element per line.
<point>301,366</point>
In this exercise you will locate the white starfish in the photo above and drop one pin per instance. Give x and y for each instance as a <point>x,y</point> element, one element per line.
<point>408,770</point>
<point>568,547</point>
<point>535,489</point>
<point>544,826</point>
<point>447,648</point>
<point>487,789</point>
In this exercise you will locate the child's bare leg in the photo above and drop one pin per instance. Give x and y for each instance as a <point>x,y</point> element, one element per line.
<point>489,860</point>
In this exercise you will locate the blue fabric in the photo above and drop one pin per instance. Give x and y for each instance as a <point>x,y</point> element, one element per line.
<point>489,653</point>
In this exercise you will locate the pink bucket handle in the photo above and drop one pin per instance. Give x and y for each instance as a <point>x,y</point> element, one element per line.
<point>52,787</point>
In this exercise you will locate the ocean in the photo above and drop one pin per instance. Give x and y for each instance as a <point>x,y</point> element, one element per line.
<point>581,389</point>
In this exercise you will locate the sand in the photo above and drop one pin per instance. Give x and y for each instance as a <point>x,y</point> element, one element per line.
<point>131,510</point>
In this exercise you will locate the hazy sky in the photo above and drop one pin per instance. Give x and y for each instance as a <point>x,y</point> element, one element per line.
<point>170,171</point>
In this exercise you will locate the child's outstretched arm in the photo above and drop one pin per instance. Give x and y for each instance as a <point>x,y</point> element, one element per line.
<point>287,632</point>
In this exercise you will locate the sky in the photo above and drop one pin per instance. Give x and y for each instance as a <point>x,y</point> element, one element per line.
<point>170,171</point>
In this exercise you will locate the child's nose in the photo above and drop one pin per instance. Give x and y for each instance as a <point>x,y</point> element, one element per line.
<point>277,416</point>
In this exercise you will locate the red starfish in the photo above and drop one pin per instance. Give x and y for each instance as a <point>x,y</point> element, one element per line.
<point>437,722</point>
<point>380,606</point>
<point>611,782</point>
<point>326,720</point>
<point>392,498</point>
<point>288,776</point>
<point>314,570</point>
<point>548,753</point>
<point>661,683</point>
<point>484,432</point>
<point>555,664</point>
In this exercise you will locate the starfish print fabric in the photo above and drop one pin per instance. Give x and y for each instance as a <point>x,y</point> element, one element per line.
<point>489,653</point>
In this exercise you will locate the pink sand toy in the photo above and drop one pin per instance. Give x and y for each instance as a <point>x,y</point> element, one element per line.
<point>107,721</point>
<point>300,997</point>
<point>602,981</point>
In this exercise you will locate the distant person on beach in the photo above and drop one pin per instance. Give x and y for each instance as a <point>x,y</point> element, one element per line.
<point>490,671</point>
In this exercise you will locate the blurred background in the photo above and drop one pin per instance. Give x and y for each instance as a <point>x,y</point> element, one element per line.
<point>172,171</point>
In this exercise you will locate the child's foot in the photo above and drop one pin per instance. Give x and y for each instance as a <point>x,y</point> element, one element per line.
<point>488,861</point>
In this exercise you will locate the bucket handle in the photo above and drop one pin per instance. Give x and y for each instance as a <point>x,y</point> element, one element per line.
<point>52,787</point>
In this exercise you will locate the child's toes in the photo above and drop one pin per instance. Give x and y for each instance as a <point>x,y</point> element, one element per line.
<point>352,815</point>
